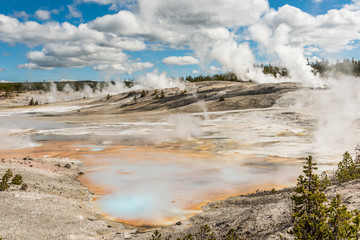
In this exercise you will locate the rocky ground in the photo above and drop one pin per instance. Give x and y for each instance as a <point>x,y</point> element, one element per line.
<point>54,205</point>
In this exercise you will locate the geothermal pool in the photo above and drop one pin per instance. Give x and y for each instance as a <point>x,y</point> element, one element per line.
<point>161,169</point>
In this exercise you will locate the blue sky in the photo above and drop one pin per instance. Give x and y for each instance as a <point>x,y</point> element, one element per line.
<point>114,39</point>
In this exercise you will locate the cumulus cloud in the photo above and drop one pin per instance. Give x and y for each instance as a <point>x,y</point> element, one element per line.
<point>82,55</point>
<point>220,30</point>
<point>185,60</point>
<point>74,12</point>
<point>43,14</point>
<point>213,69</point>
<point>21,14</point>
<point>124,23</point>
<point>114,4</point>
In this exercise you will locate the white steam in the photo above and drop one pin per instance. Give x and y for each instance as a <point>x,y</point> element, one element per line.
<point>153,80</point>
<point>337,109</point>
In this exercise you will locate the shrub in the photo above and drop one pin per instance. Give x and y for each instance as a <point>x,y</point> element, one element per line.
<point>23,187</point>
<point>162,94</point>
<point>143,93</point>
<point>108,97</point>
<point>155,92</point>
<point>222,99</point>
<point>4,186</point>
<point>17,180</point>
<point>156,235</point>
<point>7,175</point>
<point>31,103</point>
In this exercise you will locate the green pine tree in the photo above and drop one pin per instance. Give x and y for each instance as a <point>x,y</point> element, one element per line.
<point>313,217</point>
<point>347,169</point>
<point>156,235</point>
<point>309,205</point>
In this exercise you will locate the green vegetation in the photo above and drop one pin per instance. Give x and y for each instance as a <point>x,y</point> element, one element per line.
<point>7,175</point>
<point>155,93</point>
<point>217,77</point>
<point>7,88</point>
<point>203,233</point>
<point>156,235</point>
<point>347,66</point>
<point>348,169</point>
<point>24,186</point>
<point>4,186</point>
<point>108,97</point>
<point>313,217</point>
<point>275,71</point>
<point>135,99</point>
<point>162,94</point>
<point>17,180</point>
<point>143,94</point>
<point>222,99</point>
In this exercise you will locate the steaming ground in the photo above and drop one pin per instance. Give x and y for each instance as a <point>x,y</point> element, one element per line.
<point>160,159</point>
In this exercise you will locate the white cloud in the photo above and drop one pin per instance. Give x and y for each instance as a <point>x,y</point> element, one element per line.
<point>213,69</point>
<point>195,71</point>
<point>124,23</point>
<point>82,55</point>
<point>114,4</point>
<point>317,1</point>
<point>74,12</point>
<point>210,28</point>
<point>185,60</point>
<point>21,14</point>
<point>43,14</point>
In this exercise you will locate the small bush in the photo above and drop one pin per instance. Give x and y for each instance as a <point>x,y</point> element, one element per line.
<point>4,186</point>
<point>156,235</point>
<point>108,97</point>
<point>222,99</point>
<point>31,103</point>
<point>24,187</point>
<point>7,175</point>
<point>162,95</point>
<point>143,94</point>
<point>17,180</point>
<point>155,93</point>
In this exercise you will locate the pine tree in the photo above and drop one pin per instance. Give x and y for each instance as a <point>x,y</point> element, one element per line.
<point>313,218</point>
<point>347,169</point>
<point>309,205</point>
<point>31,103</point>
<point>156,235</point>
<point>340,220</point>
